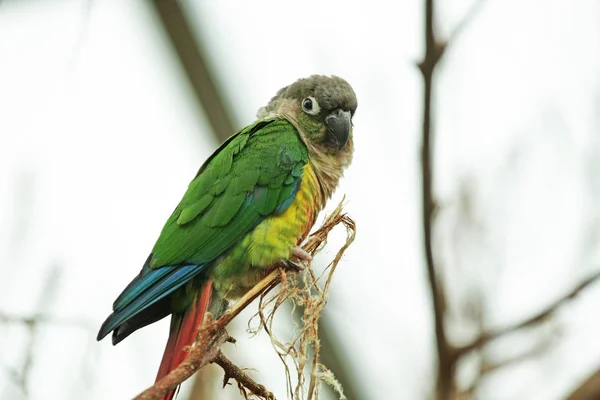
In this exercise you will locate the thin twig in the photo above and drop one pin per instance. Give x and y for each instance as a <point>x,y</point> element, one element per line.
<point>469,16</point>
<point>542,316</point>
<point>45,319</point>
<point>45,300</point>
<point>487,367</point>
<point>244,381</point>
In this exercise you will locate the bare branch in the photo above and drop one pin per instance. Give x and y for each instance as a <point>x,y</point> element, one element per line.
<point>433,53</point>
<point>46,319</point>
<point>448,355</point>
<point>469,16</point>
<point>244,381</point>
<point>194,62</point>
<point>538,349</point>
<point>207,348</point>
<point>542,316</point>
<point>588,390</point>
<point>487,367</point>
<point>45,300</point>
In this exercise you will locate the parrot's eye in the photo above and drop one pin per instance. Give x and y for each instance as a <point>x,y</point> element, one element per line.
<point>310,106</point>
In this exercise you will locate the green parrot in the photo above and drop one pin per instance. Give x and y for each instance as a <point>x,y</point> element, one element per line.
<point>250,206</point>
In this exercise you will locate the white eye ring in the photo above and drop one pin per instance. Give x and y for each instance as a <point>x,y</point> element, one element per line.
<point>310,106</point>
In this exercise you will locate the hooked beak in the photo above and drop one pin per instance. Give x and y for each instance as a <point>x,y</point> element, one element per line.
<point>338,128</point>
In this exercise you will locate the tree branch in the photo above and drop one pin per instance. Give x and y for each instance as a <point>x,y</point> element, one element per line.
<point>207,348</point>
<point>448,355</point>
<point>196,67</point>
<point>244,381</point>
<point>32,321</point>
<point>433,53</point>
<point>486,367</point>
<point>588,390</point>
<point>465,21</point>
<point>538,349</point>
<point>543,315</point>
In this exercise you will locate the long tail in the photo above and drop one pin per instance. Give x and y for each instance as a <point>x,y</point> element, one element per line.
<point>184,329</point>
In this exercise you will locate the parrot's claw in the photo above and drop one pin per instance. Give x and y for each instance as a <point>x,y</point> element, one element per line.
<point>293,265</point>
<point>302,254</point>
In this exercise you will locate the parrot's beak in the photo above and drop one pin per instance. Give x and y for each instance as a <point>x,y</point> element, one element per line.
<point>338,127</point>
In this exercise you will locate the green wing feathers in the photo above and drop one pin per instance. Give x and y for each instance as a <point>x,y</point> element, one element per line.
<point>253,174</point>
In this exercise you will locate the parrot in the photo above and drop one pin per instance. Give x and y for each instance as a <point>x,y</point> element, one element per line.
<point>249,207</point>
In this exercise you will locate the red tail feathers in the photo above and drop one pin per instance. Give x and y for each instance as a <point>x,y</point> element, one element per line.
<point>183,333</point>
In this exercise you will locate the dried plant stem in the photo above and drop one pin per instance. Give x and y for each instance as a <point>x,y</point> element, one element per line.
<point>310,293</point>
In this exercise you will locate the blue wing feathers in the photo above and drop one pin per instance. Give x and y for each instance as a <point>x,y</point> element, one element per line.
<point>148,288</point>
<point>137,286</point>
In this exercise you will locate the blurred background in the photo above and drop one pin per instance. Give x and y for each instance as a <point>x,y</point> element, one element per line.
<point>107,109</point>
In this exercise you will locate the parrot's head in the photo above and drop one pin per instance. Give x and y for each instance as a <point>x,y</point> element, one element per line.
<point>321,108</point>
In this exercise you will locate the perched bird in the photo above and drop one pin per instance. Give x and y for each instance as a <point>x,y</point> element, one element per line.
<point>249,207</point>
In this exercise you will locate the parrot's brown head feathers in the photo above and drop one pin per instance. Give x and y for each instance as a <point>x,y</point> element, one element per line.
<point>331,93</point>
<point>321,108</point>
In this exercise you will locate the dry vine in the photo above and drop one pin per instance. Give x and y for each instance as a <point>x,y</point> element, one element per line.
<point>311,294</point>
<point>212,333</point>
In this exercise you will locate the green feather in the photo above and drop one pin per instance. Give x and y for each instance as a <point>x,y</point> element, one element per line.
<point>245,180</point>
<point>266,200</point>
<point>220,185</point>
<point>223,210</point>
<point>192,211</point>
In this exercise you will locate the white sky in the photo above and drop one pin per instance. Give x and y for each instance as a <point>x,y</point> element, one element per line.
<point>98,127</point>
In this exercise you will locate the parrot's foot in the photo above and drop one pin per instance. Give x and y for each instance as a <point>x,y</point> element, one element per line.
<point>302,254</point>
<point>293,265</point>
